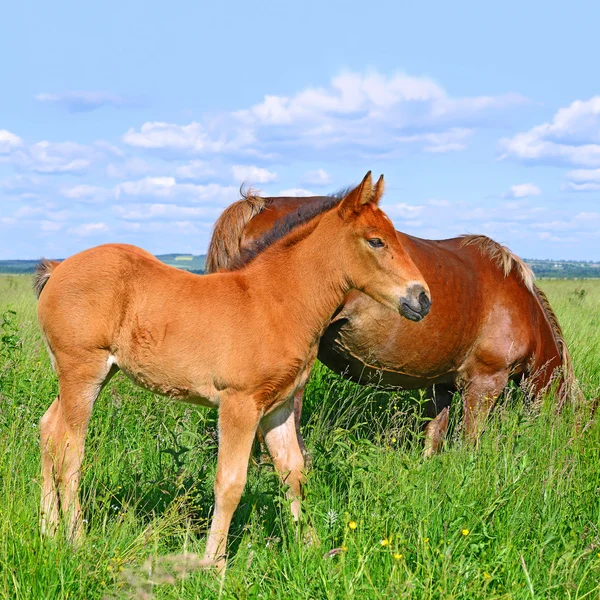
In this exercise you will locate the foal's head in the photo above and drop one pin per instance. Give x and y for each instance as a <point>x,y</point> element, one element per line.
<point>379,265</point>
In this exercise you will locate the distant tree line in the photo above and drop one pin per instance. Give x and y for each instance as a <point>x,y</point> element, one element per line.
<point>560,269</point>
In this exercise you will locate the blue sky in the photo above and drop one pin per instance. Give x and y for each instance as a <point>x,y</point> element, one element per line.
<point>137,121</point>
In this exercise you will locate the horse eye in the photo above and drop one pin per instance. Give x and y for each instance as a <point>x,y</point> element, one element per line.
<point>375,243</point>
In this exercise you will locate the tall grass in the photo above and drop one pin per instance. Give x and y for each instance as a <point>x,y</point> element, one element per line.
<point>518,518</point>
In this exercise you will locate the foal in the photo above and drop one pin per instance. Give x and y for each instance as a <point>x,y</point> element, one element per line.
<point>243,341</point>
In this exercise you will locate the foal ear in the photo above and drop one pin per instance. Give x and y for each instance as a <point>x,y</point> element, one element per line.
<point>379,189</point>
<point>362,194</point>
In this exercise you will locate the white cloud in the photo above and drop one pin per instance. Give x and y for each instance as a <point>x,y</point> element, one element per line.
<point>168,188</point>
<point>131,167</point>
<point>439,203</point>
<point>9,141</point>
<point>80,101</point>
<point>192,138</point>
<point>522,190</point>
<point>373,95</point>
<point>194,170</point>
<point>17,184</point>
<point>166,212</point>
<point>86,229</point>
<point>571,138</point>
<point>403,211</point>
<point>296,192</point>
<point>317,177</point>
<point>51,226</point>
<point>584,175</point>
<point>449,141</point>
<point>583,180</point>
<point>374,113</point>
<point>252,174</point>
<point>580,222</point>
<point>48,212</point>
<point>86,193</point>
<point>57,157</point>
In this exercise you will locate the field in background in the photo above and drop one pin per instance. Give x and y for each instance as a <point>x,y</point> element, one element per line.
<point>519,518</point>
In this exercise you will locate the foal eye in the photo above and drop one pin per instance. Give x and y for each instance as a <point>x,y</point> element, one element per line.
<point>375,243</point>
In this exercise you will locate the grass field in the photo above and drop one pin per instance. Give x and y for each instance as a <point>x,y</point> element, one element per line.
<point>519,518</point>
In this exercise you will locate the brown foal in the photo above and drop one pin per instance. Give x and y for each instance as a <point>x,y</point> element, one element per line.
<point>241,341</point>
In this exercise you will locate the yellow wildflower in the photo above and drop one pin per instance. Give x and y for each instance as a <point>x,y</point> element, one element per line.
<point>352,525</point>
<point>397,556</point>
<point>344,548</point>
<point>486,576</point>
<point>385,542</point>
<point>394,440</point>
<point>465,532</point>
<point>426,541</point>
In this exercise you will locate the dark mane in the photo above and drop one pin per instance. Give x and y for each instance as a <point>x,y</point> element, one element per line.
<point>285,225</point>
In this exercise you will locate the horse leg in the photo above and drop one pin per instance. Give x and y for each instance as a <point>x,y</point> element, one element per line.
<point>238,421</point>
<point>62,435</point>
<point>298,397</point>
<point>437,410</point>
<point>479,396</point>
<point>279,428</point>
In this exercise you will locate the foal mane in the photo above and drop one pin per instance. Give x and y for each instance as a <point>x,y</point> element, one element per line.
<point>503,257</point>
<point>283,227</point>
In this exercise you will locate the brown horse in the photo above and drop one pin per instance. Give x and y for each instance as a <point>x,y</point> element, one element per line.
<point>488,324</point>
<point>243,341</point>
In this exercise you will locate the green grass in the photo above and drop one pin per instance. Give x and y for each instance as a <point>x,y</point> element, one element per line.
<point>519,518</point>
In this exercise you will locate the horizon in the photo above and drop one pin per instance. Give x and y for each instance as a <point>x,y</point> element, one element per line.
<point>131,123</point>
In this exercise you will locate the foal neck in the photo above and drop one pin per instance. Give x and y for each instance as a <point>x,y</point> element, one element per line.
<point>305,274</point>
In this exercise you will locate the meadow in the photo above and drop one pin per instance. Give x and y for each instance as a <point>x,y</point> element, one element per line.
<point>517,518</point>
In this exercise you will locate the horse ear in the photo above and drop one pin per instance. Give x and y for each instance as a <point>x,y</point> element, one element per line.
<point>362,194</point>
<point>379,189</point>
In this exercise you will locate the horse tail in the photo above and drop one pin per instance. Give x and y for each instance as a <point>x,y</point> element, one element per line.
<point>224,248</point>
<point>569,388</point>
<point>43,270</point>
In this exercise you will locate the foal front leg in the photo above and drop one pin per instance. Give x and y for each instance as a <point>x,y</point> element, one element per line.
<point>238,421</point>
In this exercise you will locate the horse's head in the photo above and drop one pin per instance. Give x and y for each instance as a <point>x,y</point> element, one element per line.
<point>378,264</point>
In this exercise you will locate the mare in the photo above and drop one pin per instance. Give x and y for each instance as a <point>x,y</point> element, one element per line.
<point>489,322</point>
<point>242,341</point>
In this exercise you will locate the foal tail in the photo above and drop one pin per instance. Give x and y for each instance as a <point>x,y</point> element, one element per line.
<point>43,270</point>
<point>224,247</point>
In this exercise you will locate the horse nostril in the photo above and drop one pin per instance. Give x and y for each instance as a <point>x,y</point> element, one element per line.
<point>424,301</point>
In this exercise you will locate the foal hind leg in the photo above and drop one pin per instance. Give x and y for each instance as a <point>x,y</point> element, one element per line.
<point>479,396</point>
<point>62,436</point>
<point>438,411</point>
